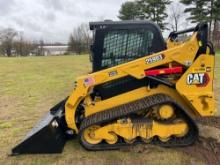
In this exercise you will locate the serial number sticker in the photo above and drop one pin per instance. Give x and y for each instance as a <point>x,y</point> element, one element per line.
<point>201,70</point>
<point>112,73</point>
<point>154,59</point>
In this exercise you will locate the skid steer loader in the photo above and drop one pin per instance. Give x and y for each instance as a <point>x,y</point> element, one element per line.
<point>141,90</point>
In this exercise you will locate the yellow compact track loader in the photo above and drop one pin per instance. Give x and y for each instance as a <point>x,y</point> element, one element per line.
<point>141,90</point>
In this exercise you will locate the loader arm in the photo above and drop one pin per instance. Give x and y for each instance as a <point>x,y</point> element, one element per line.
<point>182,54</point>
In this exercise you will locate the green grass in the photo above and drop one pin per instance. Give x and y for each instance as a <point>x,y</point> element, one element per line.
<point>30,86</point>
<point>217,80</point>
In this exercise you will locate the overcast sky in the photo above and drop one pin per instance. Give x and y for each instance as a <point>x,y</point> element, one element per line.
<point>53,20</point>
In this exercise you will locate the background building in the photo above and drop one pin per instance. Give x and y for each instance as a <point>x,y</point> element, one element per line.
<point>53,50</point>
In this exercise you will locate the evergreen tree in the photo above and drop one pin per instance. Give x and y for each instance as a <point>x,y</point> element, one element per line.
<point>129,11</point>
<point>216,10</point>
<point>203,11</point>
<point>216,16</point>
<point>155,10</point>
<point>197,9</point>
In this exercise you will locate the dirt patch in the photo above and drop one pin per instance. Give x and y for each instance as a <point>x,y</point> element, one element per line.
<point>209,121</point>
<point>140,148</point>
<point>207,150</point>
<point>207,147</point>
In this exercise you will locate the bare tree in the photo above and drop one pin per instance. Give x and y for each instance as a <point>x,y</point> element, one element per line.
<point>216,34</point>
<point>175,16</point>
<point>80,39</point>
<point>7,37</point>
<point>24,47</point>
<point>41,51</point>
<point>86,35</point>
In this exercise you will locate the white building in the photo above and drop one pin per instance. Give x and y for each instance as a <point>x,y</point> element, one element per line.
<point>54,50</point>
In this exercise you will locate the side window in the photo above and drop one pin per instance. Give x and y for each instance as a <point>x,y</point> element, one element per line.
<point>121,46</point>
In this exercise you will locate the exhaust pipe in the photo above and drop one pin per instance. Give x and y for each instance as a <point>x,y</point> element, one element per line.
<point>48,136</point>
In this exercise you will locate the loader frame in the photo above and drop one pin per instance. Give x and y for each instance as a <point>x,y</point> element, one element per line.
<point>184,54</point>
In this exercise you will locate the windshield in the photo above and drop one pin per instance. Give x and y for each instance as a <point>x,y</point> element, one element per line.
<point>121,46</point>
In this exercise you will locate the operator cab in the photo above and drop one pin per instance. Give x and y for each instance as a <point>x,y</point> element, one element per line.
<point>115,43</point>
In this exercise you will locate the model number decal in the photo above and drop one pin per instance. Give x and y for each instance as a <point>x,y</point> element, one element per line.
<point>154,59</point>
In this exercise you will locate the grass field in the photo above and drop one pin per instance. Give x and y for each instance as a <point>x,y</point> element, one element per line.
<point>30,86</point>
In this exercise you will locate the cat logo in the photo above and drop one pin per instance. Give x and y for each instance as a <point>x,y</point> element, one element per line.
<point>199,79</point>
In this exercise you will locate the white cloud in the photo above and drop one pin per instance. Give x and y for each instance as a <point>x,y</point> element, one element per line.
<point>53,20</point>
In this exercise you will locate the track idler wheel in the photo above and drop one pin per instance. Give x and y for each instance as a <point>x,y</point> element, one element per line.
<point>114,138</point>
<point>89,135</point>
<point>166,111</point>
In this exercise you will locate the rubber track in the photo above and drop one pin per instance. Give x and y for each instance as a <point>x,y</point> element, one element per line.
<point>107,116</point>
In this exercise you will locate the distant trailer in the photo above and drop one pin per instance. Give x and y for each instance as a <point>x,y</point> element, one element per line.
<point>54,50</point>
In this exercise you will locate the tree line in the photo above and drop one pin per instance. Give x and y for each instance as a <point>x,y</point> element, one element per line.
<point>158,11</point>
<point>80,39</point>
<point>13,43</point>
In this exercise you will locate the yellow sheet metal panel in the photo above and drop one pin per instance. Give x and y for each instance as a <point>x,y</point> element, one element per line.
<point>132,96</point>
<point>196,85</point>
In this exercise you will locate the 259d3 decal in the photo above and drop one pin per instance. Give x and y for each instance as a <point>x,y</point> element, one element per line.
<point>154,59</point>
